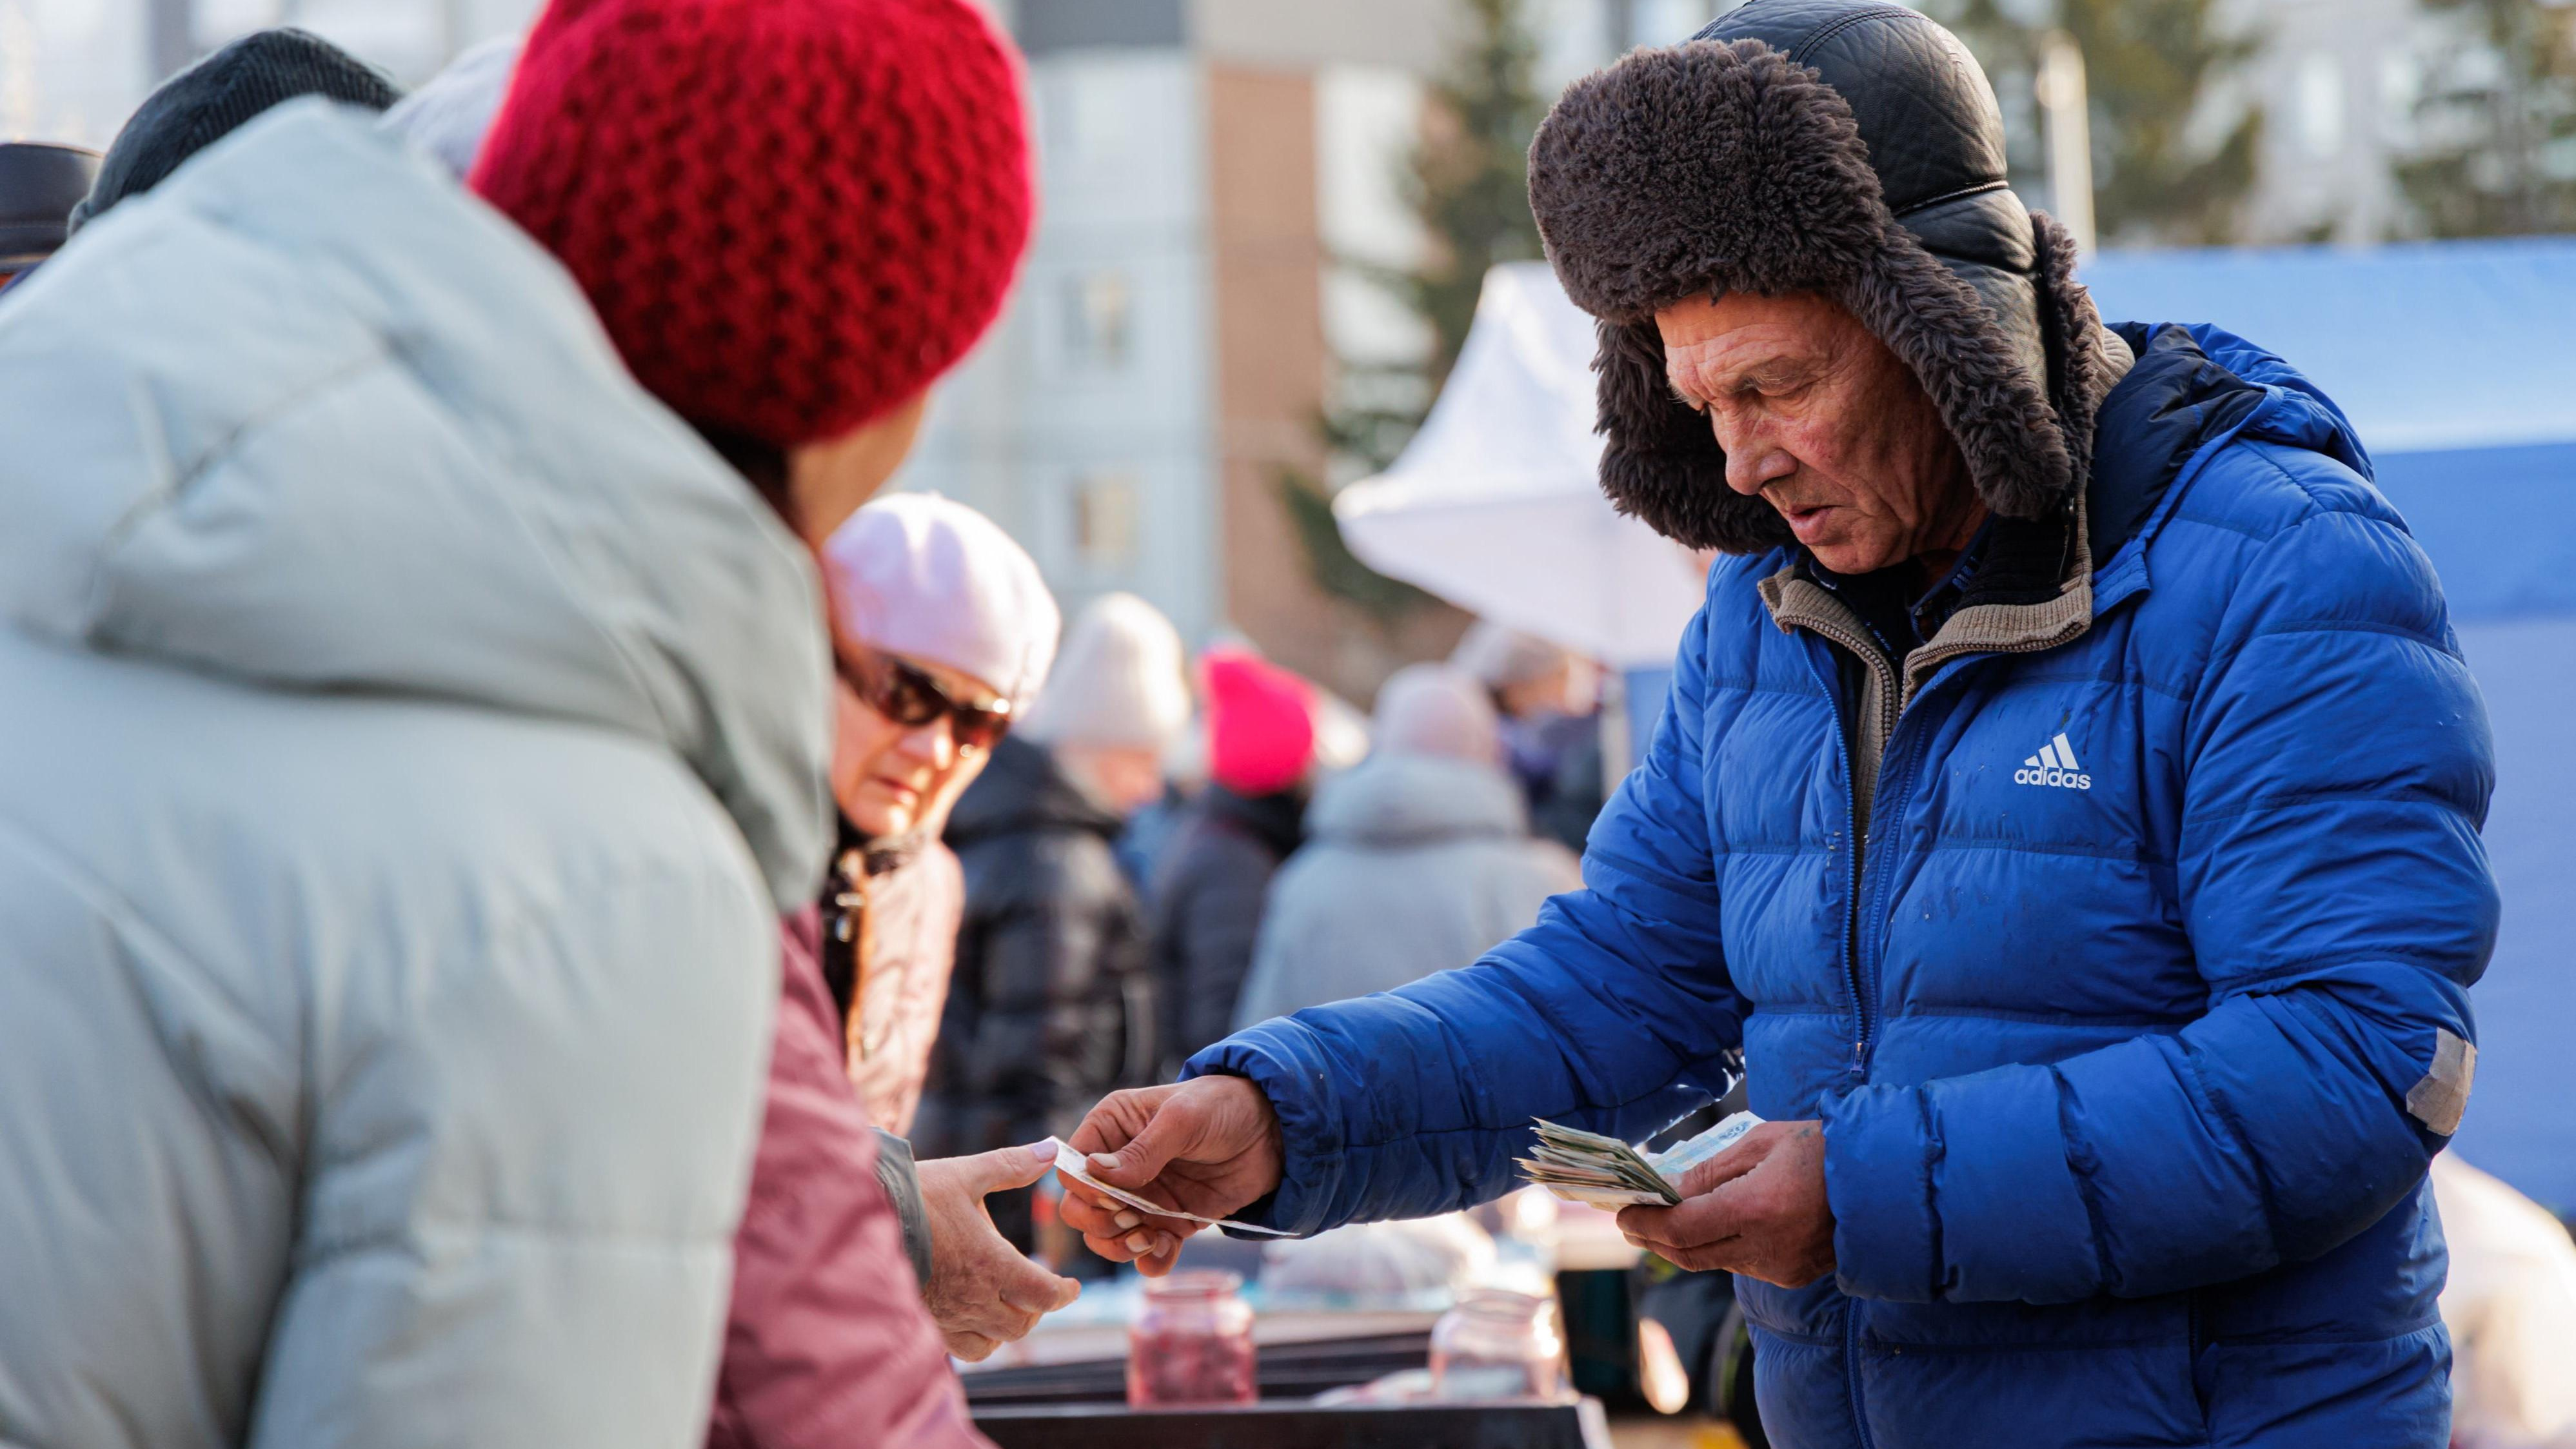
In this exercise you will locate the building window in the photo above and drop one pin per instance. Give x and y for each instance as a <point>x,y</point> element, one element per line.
<point>1098,320</point>
<point>1107,522</point>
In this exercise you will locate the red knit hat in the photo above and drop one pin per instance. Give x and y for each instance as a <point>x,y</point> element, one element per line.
<point>792,215</point>
<point>1260,722</point>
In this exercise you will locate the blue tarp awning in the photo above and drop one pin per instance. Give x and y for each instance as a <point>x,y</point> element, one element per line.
<point>2453,361</point>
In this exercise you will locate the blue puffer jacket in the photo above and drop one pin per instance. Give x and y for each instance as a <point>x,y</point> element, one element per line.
<point>2133,1055</point>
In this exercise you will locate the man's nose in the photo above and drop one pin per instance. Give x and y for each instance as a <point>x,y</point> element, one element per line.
<point>1753,461</point>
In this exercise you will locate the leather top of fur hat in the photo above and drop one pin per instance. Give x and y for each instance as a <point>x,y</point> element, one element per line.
<point>1844,147</point>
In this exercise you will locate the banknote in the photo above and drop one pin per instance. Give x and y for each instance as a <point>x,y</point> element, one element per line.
<point>1072,1165</point>
<point>1588,1167</point>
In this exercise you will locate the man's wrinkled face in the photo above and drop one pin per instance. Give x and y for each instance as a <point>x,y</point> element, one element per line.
<point>1817,416</point>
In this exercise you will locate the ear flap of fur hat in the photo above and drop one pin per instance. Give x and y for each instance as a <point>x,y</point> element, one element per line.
<point>1661,462</point>
<point>1730,165</point>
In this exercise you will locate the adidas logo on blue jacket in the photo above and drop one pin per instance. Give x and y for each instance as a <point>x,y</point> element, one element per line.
<point>2053,765</point>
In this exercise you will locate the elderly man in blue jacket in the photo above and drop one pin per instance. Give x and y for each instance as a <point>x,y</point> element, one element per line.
<point>2068,799</point>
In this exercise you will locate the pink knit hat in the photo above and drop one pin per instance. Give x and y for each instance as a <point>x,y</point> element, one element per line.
<point>933,580</point>
<point>1260,721</point>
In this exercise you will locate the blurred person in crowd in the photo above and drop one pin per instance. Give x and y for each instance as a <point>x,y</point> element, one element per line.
<point>1051,1003</point>
<point>1549,701</point>
<point>1205,909</point>
<point>1419,860</point>
<point>40,183</point>
<point>2068,799</point>
<point>1150,830</point>
<point>2510,1307</point>
<point>218,95</point>
<point>429,765</point>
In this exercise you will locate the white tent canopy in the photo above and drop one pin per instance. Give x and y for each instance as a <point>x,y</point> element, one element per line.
<point>1496,505</point>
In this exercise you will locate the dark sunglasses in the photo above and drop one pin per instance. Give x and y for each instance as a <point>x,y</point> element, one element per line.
<point>912,699</point>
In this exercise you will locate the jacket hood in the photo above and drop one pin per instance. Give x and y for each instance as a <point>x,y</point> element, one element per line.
<point>310,418</point>
<point>1843,147</point>
<point>1391,801</point>
<point>2192,384</point>
<point>1022,789</point>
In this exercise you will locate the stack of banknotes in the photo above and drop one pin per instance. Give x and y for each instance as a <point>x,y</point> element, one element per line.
<point>1587,1167</point>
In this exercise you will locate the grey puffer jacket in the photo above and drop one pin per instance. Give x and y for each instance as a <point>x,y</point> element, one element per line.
<point>413,732</point>
<point>1412,864</point>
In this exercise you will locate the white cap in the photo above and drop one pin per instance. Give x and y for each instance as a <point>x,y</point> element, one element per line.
<point>1438,709</point>
<point>1499,658</point>
<point>1123,684</point>
<point>933,580</point>
<point>451,112</point>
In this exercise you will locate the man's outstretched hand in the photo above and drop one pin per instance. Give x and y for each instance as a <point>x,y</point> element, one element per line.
<point>1207,1146</point>
<point>1758,1208</point>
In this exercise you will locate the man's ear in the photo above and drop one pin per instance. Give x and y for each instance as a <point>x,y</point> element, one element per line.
<point>1661,462</point>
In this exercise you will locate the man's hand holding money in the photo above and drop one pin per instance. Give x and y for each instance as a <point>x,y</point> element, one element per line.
<point>1758,1208</point>
<point>1206,1146</point>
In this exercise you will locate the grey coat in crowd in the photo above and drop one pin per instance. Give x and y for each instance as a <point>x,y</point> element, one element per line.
<point>1413,864</point>
<point>1205,910</point>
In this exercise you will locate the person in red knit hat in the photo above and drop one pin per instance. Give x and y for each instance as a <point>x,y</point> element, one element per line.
<point>790,215</point>
<point>431,762</point>
<point>790,218</point>
<point>823,1338</point>
<point>1212,879</point>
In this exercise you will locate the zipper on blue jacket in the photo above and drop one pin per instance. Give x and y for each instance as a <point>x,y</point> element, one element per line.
<point>1857,830</point>
<point>1895,791</point>
<point>1855,840</point>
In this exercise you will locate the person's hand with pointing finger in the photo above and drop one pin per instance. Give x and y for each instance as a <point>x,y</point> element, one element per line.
<point>1207,1146</point>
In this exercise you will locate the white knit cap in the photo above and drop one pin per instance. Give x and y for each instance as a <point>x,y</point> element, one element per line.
<point>1500,658</point>
<point>933,580</point>
<point>1438,709</point>
<point>1124,683</point>
<point>449,114</point>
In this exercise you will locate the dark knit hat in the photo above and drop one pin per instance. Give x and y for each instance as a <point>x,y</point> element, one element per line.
<point>39,185</point>
<point>1843,147</point>
<point>791,215</point>
<point>206,102</point>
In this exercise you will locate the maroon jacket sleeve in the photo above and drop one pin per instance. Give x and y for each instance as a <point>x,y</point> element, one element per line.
<point>826,1342</point>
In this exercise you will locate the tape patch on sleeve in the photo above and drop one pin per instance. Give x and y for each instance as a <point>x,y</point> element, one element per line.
<point>2442,1097</point>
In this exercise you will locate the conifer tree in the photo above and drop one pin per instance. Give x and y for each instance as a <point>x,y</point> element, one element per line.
<point>1466,182</point>
<point>2151,67</point>
<point>2496,122</point>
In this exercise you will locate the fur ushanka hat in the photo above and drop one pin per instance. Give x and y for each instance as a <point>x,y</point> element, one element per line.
<point>1843,147</point>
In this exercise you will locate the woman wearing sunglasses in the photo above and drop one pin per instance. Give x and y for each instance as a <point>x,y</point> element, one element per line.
<point>943,633</point>
<point>946,631</point>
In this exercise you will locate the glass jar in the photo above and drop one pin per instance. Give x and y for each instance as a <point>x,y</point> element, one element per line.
<point>1191,1343</point>
<point>1497,1344</point>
